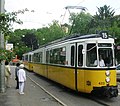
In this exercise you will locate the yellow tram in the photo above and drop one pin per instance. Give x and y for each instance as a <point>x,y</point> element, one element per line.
<point>28,61</point>
<point>75,63</point>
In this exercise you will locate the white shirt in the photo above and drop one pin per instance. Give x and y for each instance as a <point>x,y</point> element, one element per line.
<point>21,75</point>
<point>101,63</point>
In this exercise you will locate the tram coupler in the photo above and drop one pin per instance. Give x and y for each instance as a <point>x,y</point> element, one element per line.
<point>110,91</point>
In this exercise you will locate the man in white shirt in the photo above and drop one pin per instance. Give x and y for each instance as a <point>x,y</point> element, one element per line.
<point>22,78</point>
<point>101,62</point>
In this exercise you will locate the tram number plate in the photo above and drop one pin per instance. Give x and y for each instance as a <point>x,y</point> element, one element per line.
<point>101,83</point>
<point>88,83</point>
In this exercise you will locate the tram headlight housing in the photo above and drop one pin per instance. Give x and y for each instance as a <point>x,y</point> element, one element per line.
<point>107,79</point>
<point>107,73</point>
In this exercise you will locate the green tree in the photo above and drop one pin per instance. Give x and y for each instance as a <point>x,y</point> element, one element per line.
<point>104,17</point>
<point>80,22</point>
<point>22,40</point>
<point>52,32</point>
<point>30,40</point>
<point>6,21</point>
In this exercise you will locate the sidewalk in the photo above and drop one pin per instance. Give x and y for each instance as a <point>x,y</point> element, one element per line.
<point>33,96</point>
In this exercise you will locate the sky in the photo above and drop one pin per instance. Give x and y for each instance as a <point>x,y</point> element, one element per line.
<point>45,11</point>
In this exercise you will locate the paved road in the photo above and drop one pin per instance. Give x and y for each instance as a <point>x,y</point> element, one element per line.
<point>35,96</point>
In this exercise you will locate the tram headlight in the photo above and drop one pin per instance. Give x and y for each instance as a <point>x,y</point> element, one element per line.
<point>107,79</point>
<point>107,73</point>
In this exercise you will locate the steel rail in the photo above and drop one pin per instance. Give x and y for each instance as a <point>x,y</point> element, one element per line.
<point>59,101</point>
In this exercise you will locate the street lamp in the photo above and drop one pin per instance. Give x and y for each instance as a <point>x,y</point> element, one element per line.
<point>23,36</point>
<point>43,39</point>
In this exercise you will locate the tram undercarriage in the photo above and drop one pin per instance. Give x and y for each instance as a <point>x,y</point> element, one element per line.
<point>105,91</point>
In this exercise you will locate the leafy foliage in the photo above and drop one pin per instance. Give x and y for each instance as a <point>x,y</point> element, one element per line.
<point>6,22</point>
<point>48,34</point>
<point>80,22</point>
<point>6,55</point>
<point>30,40</point>
<point>104,17</point>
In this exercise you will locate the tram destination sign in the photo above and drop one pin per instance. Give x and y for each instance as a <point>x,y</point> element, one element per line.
<point>104,34</point>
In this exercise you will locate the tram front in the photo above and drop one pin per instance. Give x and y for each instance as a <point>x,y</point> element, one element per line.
<point>100,63</point>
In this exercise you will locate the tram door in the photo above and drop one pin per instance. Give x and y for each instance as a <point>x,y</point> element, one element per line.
<point>77,63</point>
<point>73,64</point>
<point>80,63</point>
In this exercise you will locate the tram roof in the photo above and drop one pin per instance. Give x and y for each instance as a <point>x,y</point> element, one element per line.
<point>79,36</point>
<point>74,37</point>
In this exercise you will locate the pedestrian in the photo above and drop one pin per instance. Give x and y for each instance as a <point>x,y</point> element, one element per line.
<point>7,74</point>
<point>16,76</point>
<point>22,78</point>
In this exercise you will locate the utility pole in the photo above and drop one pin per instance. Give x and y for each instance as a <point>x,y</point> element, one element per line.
<point>2,65</point>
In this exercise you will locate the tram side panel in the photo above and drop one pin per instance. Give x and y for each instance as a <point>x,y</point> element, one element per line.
<point>94,79</point>
<point>81,80</point>
<point>40,69</point>
<point>26,65</point>
<point>63,75</point>
<point>30,66</point>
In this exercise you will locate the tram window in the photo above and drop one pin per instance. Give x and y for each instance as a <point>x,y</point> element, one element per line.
<point>58,56</point>
<point>104,44</point>
<point>40,57</point>
<point>80,55</point>
<point>47,56</point>
<point>107,56</point>
<point>35,57</point>
<point>51,56</point>
<point>91,54</point>
<point>55,56</point>
<point>30,58</point>
<point>72,55</point>
<point>26,57</point>
<point>62,55</point>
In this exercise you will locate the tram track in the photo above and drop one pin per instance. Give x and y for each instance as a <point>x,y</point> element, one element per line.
<point>98,101</point>
<point>54,97</point>
<point>91,97</point>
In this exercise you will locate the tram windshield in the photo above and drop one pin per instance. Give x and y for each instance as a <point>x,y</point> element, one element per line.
<point>99,56</point>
